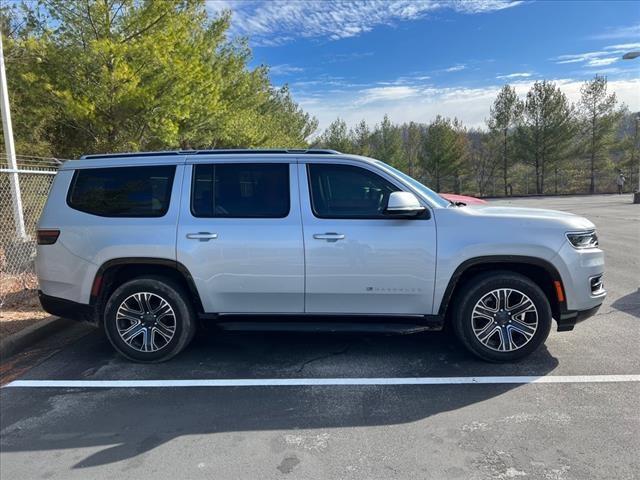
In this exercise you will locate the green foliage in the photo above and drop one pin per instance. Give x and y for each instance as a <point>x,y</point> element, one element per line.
<point>504,116</point>
<point>336,137</point>
<point>361,138</point>
<point>113,75</point>
<point>446,150</point>
<point>529,145</point>
<point>484,159</point>
<point>545,130</point>
<point>92,76</point>
<point>387,142</point>
<point>414,146</point>
<point>598,120</point>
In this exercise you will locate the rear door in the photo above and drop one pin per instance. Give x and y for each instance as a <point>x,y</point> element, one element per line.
<point>359,260</point>
<point>240,235</point>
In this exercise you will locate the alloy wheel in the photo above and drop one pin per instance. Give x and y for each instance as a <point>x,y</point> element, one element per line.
<point>504,320</point>
<point>146,322</point>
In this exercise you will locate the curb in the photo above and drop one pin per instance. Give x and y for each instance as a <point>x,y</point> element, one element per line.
<point>26,337</point>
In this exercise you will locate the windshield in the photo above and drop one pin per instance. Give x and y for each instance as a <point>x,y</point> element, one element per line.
<point>426,192</point>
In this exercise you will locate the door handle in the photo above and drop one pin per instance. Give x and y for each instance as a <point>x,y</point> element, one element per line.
<point>329,236</point>
<point>202,236</point>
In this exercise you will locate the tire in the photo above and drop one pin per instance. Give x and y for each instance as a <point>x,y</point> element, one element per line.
<point>509,333</point>
<point>150,337</point>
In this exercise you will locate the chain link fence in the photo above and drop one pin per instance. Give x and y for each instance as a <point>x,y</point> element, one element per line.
<point>18,283</point>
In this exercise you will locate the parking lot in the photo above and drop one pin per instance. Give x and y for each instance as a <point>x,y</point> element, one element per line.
<point>385,424</point>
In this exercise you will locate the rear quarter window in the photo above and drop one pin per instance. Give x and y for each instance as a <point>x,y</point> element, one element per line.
<point>122,191</point>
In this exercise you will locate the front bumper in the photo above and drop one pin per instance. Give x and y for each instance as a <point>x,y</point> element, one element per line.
<point>568,319</point>
<point>577,269</point>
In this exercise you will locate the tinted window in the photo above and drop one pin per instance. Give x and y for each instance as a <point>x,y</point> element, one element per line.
<point>241,190</point>
<point>122,191</point>
<point>345,191</point>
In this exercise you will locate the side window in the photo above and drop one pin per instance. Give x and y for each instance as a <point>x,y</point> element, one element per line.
<point>241,190</point>
<point>122,191</point>
<point>345,191</point>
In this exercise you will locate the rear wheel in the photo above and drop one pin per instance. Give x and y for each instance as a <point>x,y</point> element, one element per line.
<point>502,316</point>
<point>149,319</point>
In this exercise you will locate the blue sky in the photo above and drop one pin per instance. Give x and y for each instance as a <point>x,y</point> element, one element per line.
<point>415,59</point>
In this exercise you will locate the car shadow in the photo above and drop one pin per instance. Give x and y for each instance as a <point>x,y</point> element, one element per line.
<point>127,423</point>
<point>629,303</point>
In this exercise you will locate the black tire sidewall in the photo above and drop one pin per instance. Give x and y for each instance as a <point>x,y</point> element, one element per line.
<point>174,295</point>
<point>482,285</point>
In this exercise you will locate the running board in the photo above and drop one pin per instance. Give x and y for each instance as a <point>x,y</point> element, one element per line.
<point>332,327</point>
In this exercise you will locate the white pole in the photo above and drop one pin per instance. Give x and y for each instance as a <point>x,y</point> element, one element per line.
<point>7,130</point>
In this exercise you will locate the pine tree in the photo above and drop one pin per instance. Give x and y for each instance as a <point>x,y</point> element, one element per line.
<point>599,118</point>
<point>445,151</point>
<point>504,116</point>
<point>545,130</point>
<point>130,75</point>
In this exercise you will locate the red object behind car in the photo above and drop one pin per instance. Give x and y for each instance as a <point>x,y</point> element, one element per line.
<point>463,199</point>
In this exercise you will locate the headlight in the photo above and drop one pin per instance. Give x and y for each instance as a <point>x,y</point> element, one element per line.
<point>583,239</point>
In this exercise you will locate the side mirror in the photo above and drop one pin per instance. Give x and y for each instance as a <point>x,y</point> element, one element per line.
<point>403,204</point>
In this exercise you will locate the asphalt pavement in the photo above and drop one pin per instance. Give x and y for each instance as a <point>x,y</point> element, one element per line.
<point>575,429</point>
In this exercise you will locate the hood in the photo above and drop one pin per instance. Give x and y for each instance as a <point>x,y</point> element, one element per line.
<point>569,220</point>
<point>463,198</point>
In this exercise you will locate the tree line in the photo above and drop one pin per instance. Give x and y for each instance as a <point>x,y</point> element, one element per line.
<point>128,75</point>
<point>540,144</point>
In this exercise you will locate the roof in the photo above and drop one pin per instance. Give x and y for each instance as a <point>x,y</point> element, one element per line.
<point>175,157</point>
<point>240,151</point>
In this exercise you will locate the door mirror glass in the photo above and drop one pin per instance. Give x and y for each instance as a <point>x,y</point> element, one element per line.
<point>403,204</point>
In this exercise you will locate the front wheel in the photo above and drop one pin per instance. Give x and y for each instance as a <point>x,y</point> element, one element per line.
<point>149,319</point>
<point>502,316</point>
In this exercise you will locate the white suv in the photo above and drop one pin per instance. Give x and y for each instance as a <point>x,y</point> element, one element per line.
<point>146,244</point>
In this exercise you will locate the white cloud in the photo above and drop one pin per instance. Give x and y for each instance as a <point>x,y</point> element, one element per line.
<point>580,57</point>
<point>515,75</point>
<point>347,57</point>
<point>597,62</point>
<point>280,21</point>
<point>284,69</point>
<point>455,68</point>
<point>481,6</point>
<point>609,55</point>
<point>378,94</point>
<point>623,46</point>
<point>412,79</point>
<point>422,104</point>
<point>619,32</point>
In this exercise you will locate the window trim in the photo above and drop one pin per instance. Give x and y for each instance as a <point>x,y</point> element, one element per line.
<point>254,217</point>
<point>425,215</point>
<point>160,214</point>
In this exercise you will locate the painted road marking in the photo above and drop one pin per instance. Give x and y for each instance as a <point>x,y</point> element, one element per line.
<point>304,382</point>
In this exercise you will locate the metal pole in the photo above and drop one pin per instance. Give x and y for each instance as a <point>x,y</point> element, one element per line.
<point>7,130</point>
<point>635,146</point>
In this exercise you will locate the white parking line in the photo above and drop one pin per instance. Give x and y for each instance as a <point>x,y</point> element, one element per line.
<point>304,382</point>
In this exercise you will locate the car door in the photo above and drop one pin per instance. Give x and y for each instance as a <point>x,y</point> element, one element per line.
<point>240,235</point>
<point>358,259</point>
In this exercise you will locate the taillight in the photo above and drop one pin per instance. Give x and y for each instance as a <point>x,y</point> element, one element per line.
<point>48,237</point>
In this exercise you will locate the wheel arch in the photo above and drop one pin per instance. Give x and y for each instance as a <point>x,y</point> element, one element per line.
<point>115,272</point>
<point>542,272</point>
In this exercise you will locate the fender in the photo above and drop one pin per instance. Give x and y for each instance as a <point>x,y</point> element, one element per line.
<point>97,289</point>
<point>498,259</point>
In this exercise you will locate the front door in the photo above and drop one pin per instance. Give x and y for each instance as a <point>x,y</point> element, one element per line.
<point>358,259</point>
<point>240,236</point>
